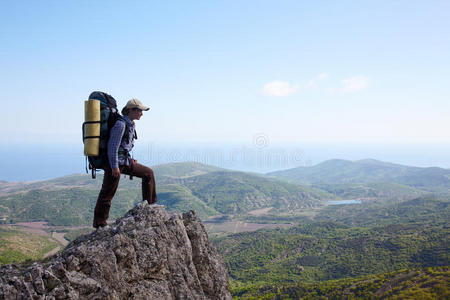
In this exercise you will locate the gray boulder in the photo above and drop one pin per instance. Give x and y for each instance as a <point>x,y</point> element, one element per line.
<point>147,254</point>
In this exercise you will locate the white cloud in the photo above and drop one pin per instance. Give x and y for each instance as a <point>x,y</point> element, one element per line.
<point>279,88</point>
<point>354,84</point>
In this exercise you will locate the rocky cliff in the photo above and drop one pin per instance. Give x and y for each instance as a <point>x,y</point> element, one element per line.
<point>147,254</point>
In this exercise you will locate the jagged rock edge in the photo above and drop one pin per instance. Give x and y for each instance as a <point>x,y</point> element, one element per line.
<point>41,277</point>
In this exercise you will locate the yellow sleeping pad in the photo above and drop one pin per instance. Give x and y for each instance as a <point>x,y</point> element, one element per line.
<point>91,127</point>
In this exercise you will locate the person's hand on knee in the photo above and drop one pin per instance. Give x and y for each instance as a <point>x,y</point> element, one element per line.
<point>115,172</point>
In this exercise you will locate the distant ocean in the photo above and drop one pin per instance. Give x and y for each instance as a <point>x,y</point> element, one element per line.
<point>37,162</point>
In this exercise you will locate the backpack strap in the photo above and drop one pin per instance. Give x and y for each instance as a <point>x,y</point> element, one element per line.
<point>126,136</point>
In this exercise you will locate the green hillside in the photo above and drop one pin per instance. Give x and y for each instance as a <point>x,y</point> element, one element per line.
<point>338,171</point>
<point>180,198</point>
<point>70,200</point>
<point>211,191</point>
<point>377,190</point>
<point>325,251</point>
<point>163,173</point>
<point>336,253</point>
<point>71,206</point>
<point>430,179</point>
<point>392,245</point>
<point>425,283</point>
<point>239,192</point>
<point>19,246</point>
<point>423,209</point>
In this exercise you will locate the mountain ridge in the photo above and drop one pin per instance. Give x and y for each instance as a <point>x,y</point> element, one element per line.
<point>339,171</point>
<point>70,200</point>
<point>212,191</point>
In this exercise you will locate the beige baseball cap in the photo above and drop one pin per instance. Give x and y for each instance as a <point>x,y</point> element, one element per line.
<point>135,103</point>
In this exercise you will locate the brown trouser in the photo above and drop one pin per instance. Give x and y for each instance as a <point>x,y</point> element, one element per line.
<point>111,183</point>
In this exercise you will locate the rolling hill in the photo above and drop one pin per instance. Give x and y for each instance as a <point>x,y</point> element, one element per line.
<point>375,190</point>
<point>348,252</point>
<point>70,200</point>
<point>423,209</point>
<point>19,246</point>
<point>212,191</point>
<point>163,173</point>
<point>338,171</point>
<point>424,283</point>
<point>238,192</point>
<point>327,250</point>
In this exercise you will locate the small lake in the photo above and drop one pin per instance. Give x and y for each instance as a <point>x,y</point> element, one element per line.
<point>340,202</point>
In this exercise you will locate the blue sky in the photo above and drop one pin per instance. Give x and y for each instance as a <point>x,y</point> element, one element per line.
<point>230,71</point>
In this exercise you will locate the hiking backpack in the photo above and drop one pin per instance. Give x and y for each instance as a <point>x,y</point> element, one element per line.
<point>108,117</point>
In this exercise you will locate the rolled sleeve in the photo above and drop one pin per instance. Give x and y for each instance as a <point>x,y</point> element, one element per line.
<point>115,137</point>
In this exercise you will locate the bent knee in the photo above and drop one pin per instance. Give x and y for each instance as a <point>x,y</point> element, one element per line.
<point>148,172</point>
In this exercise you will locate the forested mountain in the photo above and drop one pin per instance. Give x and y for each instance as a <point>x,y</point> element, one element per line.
<point>344,243</point>
<point>18,246</point>
<point>425,283</point>
<point>338,171</point>
<point>397,235</point>
<point>375,190</point>
<point>324,251</point>
<point>163,174</point>
<point>238,192</point>
<point>68,206</point>
<point>427,210</point>
<point>209,190</point>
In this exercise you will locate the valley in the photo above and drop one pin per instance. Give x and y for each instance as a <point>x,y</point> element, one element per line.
<point>298,230</point>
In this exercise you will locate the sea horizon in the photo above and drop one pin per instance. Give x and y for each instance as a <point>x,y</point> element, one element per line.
<point>41,162</point>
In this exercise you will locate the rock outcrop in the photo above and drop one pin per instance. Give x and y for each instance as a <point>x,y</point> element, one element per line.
<point>147,254</point>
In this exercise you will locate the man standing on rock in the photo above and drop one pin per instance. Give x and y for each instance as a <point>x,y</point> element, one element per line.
<point>120,144</point>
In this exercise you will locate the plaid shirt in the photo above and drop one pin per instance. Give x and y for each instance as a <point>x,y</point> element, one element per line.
<point>115,141</point>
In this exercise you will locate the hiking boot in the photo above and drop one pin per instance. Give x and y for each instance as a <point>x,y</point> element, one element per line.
<point>98,225</point>
<point>103,228</point>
